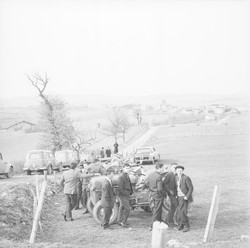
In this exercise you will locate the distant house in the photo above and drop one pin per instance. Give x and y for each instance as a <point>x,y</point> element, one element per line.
<point>168,108</point>
<point>187,111</point>
<point>18,126</point>
<point>147,108</point>
<point>210,117</point>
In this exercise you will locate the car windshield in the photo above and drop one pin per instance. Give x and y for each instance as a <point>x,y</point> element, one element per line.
<point>35,155</point>
<point>143,150</point>
<point>60,155</point>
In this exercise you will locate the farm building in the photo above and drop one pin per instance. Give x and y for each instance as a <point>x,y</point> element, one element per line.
<point>18,126</point>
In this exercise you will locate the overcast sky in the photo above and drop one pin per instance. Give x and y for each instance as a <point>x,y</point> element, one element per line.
<point>125,47</point>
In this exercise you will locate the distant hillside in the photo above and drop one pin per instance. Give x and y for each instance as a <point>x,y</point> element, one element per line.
<point>191,100</point>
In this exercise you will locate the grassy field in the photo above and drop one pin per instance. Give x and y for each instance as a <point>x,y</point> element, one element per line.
<point>212,155</point>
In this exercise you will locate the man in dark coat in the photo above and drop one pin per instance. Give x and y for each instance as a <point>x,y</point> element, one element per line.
<point>107,198</point>
<point>102,153</point>
<point>157,192</point>
<point>124,190</point>
<point>170,187</point>
<point>116,148</point>
<point>108,152</point>
<point>184,192</point>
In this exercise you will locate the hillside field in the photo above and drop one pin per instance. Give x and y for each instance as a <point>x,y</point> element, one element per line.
<point>214,154</point>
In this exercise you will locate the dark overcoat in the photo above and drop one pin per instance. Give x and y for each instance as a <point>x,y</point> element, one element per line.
<point>186,187</point>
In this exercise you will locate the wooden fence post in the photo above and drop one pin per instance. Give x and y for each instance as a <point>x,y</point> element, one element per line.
<point>212,214</point>
<point>37,187</point>
<point>38,213</point>
<point>55,181</point>
<point>45,175</point>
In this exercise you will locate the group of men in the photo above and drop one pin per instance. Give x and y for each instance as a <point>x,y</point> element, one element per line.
<point>179,188</point>
<point>107,152</point>
<point>124,190</point>
<point>75,186</point>
<point>175,184</point>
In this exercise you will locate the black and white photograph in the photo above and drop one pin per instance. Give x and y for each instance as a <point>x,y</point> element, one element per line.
<point>124,123</point>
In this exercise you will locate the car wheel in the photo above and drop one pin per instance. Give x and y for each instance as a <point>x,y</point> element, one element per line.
<point>98,213</point>
<point>10,172</point>
<point>28,172</point>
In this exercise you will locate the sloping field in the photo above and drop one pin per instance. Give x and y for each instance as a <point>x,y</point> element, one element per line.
<point>15,145</point>
<point>214,155</point>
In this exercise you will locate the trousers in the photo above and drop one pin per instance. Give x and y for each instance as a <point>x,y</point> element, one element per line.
<point>173,206</point>
<point>181,212</point>
<point>82,198</point>
<point>71,200</point>
<point>107,213</point>
<point>157,210</point>
<point>124,209</point>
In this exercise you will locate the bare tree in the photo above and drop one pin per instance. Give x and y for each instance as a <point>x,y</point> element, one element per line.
<point>119,123</point>
<point>79,140</point>
<point>40,83</point>
<point>54,119</point>
<point>124,124</point>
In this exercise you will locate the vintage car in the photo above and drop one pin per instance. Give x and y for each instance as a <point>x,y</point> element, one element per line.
<point>140,197</point>
<point>6,168</point>
<point>40,160</point>
<point>64,157</point>
<point>146,155</point>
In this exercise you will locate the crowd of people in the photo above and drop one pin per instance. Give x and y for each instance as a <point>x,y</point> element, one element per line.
<point>174,185</point>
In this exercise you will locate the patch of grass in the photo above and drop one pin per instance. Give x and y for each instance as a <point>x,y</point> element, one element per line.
<point>177,119</point>
<point>16,212</point>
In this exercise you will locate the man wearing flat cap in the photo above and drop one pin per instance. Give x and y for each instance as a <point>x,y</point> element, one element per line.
<point>184,192</point>
<point>69,183</point>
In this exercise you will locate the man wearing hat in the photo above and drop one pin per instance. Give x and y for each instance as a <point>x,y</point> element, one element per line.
<point>170,187</point>
<point>184,192</point>
<point>69,183</point>
<point>124,191</point>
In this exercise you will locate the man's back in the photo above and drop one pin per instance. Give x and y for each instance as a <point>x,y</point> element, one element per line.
<point>124,185</point>
<point>107,198</point>
<point>170,182</point>
<point>70,180</point>
<point>153,178</point>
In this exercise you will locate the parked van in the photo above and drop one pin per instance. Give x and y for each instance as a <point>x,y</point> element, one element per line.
<point>40,160</point>
<point>64,157</point>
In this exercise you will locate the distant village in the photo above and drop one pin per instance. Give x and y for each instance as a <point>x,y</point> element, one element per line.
<point>211,112</point>
<point>208,113</point>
